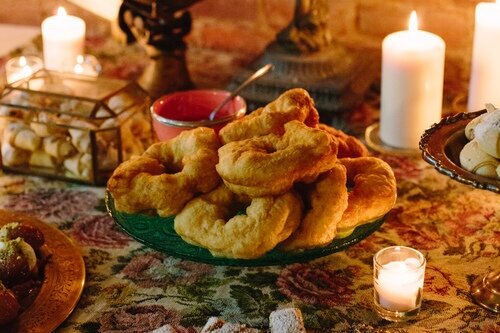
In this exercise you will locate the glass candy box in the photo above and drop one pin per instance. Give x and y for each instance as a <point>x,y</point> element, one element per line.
<point>72,127</point>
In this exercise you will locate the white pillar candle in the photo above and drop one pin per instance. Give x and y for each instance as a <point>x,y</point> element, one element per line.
<point>485,71</point>
<point>412,85</point>
<point>399,285</point>
<point>63,40</point>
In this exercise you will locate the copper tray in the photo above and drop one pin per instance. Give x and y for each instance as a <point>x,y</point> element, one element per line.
<point>64,277</point>
<point>441,145</point>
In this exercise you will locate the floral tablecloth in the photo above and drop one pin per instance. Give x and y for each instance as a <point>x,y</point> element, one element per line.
<point>131,288</point>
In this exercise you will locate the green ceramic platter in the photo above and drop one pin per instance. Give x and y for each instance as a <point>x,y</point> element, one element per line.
<point>159,234</point>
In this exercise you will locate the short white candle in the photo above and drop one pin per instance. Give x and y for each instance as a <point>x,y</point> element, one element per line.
<point>485,71</point>
<point>83,67</point>
<point>412,85</point>
<point>63,40</point>
<point>399,285</point>
<point>21,67</point>
<point>78,69</point>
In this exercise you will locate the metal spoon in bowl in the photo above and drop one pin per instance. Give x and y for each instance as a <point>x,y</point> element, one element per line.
<point>260,72</point>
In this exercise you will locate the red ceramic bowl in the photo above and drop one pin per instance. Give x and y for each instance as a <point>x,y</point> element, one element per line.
<point>184,110</point>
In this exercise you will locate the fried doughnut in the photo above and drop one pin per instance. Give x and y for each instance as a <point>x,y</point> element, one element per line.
<point>168,174</point>
<point>349,146</point>
<point>373,191</point>
<point>210,221</point>
<point>271,164</point>
<point>328,201</point>
<point>293,104</point>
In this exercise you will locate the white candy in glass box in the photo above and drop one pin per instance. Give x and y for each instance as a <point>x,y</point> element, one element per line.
<point>72,127</point>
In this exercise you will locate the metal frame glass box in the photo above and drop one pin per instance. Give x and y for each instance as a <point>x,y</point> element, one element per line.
<point>72,127</point>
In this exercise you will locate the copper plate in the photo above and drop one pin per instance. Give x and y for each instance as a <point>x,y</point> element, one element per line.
<point>64,277</point>
<point>441,145</point>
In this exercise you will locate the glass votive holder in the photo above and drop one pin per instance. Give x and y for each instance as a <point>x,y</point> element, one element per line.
<point>21,67</point>
<point>398,281</point>
<point>88,65</point>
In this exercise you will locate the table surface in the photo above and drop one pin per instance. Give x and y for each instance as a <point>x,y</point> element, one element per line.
<point>131,288</point>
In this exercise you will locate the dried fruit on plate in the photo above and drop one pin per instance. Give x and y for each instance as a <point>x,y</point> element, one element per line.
<point>20,280</point>
<point>9,306</point>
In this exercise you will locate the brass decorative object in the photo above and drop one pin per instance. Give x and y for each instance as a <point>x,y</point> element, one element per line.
<point>308,32</point>
<point>64,278</point>
<point>485,291</point>
<point>159,27</point>
<point>305,55</point>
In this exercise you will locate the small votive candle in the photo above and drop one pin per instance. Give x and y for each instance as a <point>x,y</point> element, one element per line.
<point>87,65</point>
<point>398,280</point>
<point>21,67</point>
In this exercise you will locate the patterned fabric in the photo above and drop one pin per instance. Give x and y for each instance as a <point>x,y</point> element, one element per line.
<point>131,288</point>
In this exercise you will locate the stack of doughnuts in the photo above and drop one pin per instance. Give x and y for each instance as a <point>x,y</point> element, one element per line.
<point>482,153</point>
<point>275,178</point>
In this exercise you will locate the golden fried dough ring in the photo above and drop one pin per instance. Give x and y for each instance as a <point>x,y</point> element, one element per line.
<point>294,104</point>
<point>349,146</point>
<point>328,201</point>
<point>373,193</point>
<point>168,174</point>
<point>209,221</point>
<point>271,164</point>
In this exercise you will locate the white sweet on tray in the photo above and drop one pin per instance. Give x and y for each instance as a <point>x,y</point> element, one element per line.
<point>481,154</point>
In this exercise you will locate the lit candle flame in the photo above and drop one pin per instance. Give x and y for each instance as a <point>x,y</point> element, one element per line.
<point>61,11</point>
<point>78,69</point>
<point>22,61</point>
<point>413,25</point>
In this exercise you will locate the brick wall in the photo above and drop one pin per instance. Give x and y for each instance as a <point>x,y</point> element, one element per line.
<point>245,27</point>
